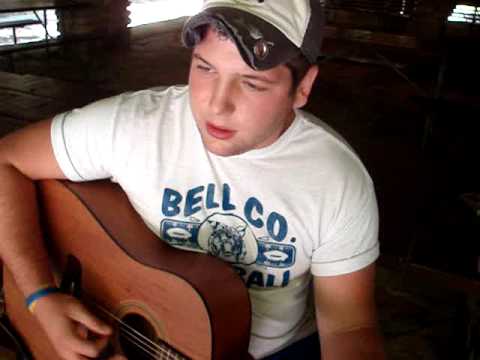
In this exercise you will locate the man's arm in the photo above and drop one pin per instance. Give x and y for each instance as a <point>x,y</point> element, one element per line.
<point>24,156</point>
<point>346,316</point>
<point>27,155</point>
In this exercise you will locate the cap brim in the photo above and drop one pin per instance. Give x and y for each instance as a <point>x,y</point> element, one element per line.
<point>261,45</point>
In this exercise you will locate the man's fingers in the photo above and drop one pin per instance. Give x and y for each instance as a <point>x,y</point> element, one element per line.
<point>77,343</point>
<point>101,342</point>
<point>75,332</point>
<point>117,357</point>
<point>80,314</point>
<point>88,348</point>
<point>79,357</point>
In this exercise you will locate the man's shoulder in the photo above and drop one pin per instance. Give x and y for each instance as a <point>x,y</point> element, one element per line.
<point>321,132</point>
<point>163,90</point>
<point>156,94</point>
<point>325,162</point>
<point>134,111</point>
<point>153,103</point>
<point>326,145</point>
<point>133,102</point>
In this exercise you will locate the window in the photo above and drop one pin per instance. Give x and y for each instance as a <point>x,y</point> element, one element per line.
<point>25,27</point>
<point>465,14</point>
<point>149,11</point>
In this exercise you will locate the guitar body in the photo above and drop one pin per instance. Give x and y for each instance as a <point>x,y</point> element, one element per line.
<point>194,303</point>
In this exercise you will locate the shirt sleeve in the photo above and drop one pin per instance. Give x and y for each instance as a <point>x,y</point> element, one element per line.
<point>352,244</point>
<point>82,140</point>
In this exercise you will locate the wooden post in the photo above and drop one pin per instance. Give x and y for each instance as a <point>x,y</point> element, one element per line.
<point>103,18</point>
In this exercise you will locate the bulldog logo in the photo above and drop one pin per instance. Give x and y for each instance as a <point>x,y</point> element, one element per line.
<point>229,238</point>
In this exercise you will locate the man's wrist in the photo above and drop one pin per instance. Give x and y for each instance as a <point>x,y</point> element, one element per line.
<point>43,291</point>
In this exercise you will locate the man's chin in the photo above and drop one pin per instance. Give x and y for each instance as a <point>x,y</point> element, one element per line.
<point>223,152</point>
<point>222,149</point>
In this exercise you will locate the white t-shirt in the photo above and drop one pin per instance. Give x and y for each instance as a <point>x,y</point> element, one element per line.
<point>300,206</point>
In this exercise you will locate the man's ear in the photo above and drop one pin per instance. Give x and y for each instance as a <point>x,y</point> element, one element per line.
<point>305,87</point>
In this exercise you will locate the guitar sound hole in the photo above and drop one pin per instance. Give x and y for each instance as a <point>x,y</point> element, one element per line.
<point>136,336</point>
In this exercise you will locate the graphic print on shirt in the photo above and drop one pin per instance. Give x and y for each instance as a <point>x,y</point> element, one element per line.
<point>228,236</point>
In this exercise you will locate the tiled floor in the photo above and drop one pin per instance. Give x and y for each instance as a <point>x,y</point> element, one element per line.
<point>420,320</point>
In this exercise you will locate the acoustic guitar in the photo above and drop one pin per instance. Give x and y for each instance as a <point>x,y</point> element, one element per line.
<point>163,303</point>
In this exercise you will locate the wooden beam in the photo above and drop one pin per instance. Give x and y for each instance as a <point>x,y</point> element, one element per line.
<point>371,37</point>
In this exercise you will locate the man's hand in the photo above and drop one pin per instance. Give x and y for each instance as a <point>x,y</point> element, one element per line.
<point>74,332</point>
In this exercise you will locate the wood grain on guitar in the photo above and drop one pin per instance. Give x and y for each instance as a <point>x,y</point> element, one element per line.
<point>164,303</point>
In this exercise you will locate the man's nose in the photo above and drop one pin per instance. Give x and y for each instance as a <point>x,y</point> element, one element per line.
<point>222,98</point>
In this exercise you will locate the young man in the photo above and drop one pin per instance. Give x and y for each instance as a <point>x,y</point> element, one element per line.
<point>232,158</point>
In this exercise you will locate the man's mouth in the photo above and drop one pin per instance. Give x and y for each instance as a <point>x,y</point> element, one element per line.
<point>218,132</point>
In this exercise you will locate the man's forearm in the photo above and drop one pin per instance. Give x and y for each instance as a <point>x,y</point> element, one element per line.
<point>358,344</point>
<point>21,245</point>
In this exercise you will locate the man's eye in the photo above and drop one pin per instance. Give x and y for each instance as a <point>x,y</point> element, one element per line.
<point>252,86</point>
<point>203,68</point>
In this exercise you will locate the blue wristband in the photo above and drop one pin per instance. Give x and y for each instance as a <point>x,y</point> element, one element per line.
<point>31,299</point>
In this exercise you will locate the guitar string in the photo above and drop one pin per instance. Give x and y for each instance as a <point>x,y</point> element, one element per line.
<point>142,339</point>
<point>135,334</point>
<point>149,350</point>
<point>152,354</point>
<point>168,355</point>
